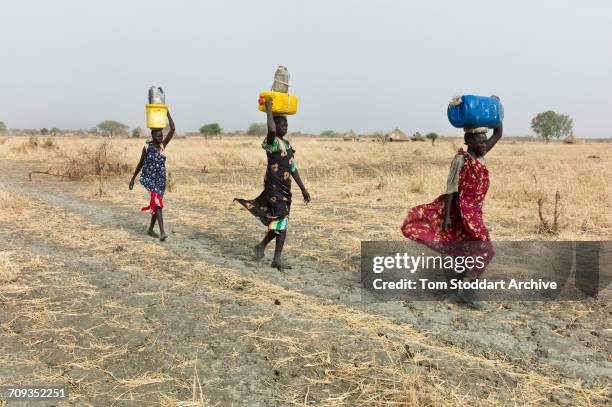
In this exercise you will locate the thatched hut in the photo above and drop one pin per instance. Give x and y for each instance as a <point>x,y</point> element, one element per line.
<point>397,135</point>
<point>350,136</point>
<point>417,137</point>
<point>573,140</point>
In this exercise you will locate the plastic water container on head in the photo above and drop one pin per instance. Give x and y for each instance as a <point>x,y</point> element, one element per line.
<point>157,116</point>
<point>475,111</point>
<point>281,80</point>
<point>282,103</point>
<point>156,96</point>
<point>157,110</point>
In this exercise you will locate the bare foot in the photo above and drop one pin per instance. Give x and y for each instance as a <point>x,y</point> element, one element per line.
<point>163,237</point>
<point>152,233</point>
<point>259,252</point>
<point>281,266</point>
<point>470,298</point>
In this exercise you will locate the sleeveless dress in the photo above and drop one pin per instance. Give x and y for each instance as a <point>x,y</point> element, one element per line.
<point>153,176</point>
<point>273,205</point>
<point>424,222</point>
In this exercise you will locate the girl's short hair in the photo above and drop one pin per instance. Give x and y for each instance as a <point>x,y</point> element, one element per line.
<point>471,133</point>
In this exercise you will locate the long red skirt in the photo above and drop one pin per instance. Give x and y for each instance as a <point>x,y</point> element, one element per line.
<point>155,201</point>
<point>424,222</point>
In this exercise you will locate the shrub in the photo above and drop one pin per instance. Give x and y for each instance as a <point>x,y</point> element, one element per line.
<point>257,129</point>
<point>112,127</point>
<point>328,133</point>
<point>210,129</point>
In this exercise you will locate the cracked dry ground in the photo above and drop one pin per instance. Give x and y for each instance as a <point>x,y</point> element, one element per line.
<point>123,319</point>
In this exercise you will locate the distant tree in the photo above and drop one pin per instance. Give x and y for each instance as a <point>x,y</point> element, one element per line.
<point>210,129</point>
<point>55,131</point>
<point>136,132</point>
<point>2,126</point>
<point>328,133</point>
<point>257,129</point>
<point>550,124</point>
<point>112,127</point>
<point>44,131</point>
<point>433,137</point>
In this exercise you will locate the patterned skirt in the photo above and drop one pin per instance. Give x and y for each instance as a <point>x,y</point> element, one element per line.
<point>271,211</point>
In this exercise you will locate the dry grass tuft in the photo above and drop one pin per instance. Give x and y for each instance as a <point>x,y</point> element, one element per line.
<point>74,159</point>
<point>546,227</point>
<point>8,270</point>
<point>99,162</point>
<point>11,203</point>
<point>358,381</point>
<point>198,399</point>
<point>48,143</point>
<point>171,182</point>
<point>30,144</point>
<point>33,143</point>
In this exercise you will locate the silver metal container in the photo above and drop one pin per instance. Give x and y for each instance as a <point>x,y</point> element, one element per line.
<point>156,96</point>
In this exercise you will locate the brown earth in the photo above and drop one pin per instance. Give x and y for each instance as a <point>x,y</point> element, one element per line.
<point>89,301</point>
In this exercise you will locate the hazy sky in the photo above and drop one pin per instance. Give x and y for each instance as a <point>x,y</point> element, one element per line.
<point>365,65</point>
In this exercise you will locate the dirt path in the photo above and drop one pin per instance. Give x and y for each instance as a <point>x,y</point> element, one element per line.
<point>125,320</point>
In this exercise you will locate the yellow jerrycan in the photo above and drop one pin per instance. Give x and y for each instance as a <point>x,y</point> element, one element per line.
<point>157,116</point>
<point>157,110</point>
<point>282,103</point>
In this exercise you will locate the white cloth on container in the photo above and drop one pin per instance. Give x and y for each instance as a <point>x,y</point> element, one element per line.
<point>456,101</point>
<point>452,182</point>
<point>475,130</point>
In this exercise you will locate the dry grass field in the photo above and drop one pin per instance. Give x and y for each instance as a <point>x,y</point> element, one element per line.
<point>87,299</point>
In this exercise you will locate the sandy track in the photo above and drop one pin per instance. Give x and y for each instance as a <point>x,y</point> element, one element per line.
<point>124,319</point>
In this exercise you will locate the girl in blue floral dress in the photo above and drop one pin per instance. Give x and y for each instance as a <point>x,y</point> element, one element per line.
<point>153,177</point>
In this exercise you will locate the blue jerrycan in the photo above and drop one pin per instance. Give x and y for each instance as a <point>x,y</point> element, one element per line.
<point>475,111</point>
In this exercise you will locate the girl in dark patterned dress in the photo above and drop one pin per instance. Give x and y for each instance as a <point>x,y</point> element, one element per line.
<point>153,177</point>
<point>273,204</point>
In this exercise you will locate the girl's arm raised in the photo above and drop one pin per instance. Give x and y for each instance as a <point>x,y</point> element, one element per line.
<point>171,132</point>
<point>138,167</point>
<point>271,123</point>
<point>497,133</point>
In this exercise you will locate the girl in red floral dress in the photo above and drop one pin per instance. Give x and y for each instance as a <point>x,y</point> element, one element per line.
<point>456,216</point>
